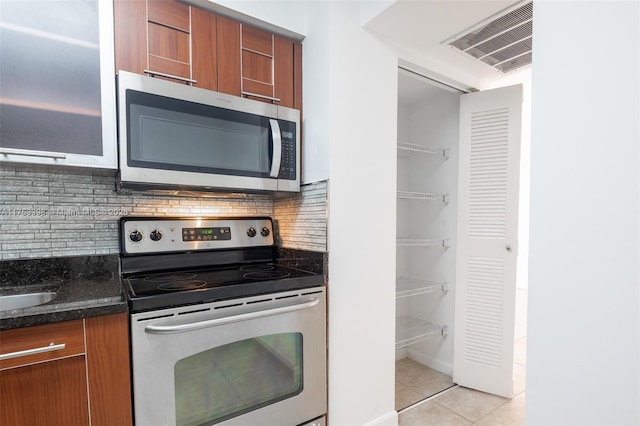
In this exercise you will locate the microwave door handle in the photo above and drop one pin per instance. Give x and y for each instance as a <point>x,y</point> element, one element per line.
<point>277,148</point>
<point>246,316</point>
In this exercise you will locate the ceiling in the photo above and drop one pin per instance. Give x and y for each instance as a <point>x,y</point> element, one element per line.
<point>415,29</point>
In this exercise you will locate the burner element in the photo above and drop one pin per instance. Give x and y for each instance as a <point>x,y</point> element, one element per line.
<point>266,275</point>
<point>182,285</point>
<point>170,277</point>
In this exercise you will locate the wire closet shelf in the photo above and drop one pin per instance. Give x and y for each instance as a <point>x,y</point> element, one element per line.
<point>423,242</point>
<point>409,287</point>
<point>410,331</point>
<point>407,148</point>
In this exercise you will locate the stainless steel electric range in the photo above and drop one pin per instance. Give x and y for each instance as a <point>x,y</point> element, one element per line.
<point>221,333</point>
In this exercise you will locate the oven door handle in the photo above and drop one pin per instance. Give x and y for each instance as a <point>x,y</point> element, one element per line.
<point>181,328</point>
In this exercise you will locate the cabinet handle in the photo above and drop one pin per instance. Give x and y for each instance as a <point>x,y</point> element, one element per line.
<point>255,95</point>
<point>52,347</point>
<point>175,77</point>
<point>29,153</point>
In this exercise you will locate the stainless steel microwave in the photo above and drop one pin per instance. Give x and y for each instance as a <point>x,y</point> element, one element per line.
<point>174,136</point>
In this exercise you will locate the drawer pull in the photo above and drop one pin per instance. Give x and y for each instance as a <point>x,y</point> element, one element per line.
<point>255,95</point>
<point>175,77</point>
<point>52,347</point>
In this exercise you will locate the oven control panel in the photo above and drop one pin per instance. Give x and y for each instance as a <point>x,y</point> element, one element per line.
<point>151,235</point>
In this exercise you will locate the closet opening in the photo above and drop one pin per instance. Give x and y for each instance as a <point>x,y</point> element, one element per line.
<point>426,230</point>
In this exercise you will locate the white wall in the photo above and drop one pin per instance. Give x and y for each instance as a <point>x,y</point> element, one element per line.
<point>371,9</point>
<point>583,361</point>
<point>363,99</point>
<point>316,57</point>
<point>288,14</point>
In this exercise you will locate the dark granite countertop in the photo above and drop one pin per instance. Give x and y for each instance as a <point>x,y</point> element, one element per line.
<point>88,286</point>
<point>85,286</point>
<point>312,261</point>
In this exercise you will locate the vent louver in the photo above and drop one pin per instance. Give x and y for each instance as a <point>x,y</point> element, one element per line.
<point>503,42</point>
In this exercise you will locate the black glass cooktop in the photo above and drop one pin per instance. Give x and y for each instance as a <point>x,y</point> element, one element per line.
<point>176,288</point>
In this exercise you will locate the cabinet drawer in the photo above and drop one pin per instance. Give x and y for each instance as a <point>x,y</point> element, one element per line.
<point>170,13</point>
<point>41,343</point>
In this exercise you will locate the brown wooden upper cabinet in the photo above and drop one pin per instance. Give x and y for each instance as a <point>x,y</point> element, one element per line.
<point>171,40</point>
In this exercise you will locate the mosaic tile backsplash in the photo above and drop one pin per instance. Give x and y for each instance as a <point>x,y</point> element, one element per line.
<point>48,212</point>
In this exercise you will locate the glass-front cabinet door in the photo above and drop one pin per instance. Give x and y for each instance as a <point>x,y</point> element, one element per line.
<point>57,85</point>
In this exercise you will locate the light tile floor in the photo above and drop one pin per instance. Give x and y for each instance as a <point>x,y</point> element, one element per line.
<point>462,406</point>
<point>415,382</point>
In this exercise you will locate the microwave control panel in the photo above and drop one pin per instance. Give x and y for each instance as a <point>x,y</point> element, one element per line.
<point>289,152</point>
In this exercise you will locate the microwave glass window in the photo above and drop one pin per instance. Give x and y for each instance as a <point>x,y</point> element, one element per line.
<point>230,380</point>
<point>194,137</point>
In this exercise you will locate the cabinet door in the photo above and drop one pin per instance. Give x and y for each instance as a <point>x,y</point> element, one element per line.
<point>297,77</point>
<point>169,38</point>
<point>257,63</point>
<point>50,393</point>
<point>130,21</point>
<point>204,46</point>
<point>108,367</point>
<point>228,53</point>
<point>283,71</point>
<point>57,88</point>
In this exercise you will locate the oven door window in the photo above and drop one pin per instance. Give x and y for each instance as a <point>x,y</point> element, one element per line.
<point>172,134</point>
<point>230,380</point>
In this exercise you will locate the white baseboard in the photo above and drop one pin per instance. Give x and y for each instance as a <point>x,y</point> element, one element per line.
<point>401,354</point>
<point>388,419</point>
<point>429,361</point>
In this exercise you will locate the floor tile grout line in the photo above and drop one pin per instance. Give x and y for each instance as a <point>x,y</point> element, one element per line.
<point>424,401</point>
<point>473,422</point>
<point>498,407</point>
<point>476,420</point>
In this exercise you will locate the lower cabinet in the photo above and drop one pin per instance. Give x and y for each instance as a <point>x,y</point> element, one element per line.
<point>51,393</point>
<point>108,369</point>
<point>68,373</point>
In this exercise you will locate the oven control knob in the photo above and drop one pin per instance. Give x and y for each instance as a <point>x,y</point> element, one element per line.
<point>155,235</point>
<point>265,231</point>
<point>251,232</point>
<point>135,236</point>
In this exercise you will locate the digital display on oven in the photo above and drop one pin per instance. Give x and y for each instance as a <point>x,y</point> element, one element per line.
<point>206,234</point>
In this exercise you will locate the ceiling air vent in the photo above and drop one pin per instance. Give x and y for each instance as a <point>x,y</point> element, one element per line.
<point>504,41</point>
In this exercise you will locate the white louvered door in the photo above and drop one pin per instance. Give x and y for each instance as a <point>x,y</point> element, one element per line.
<point>487,243</point>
